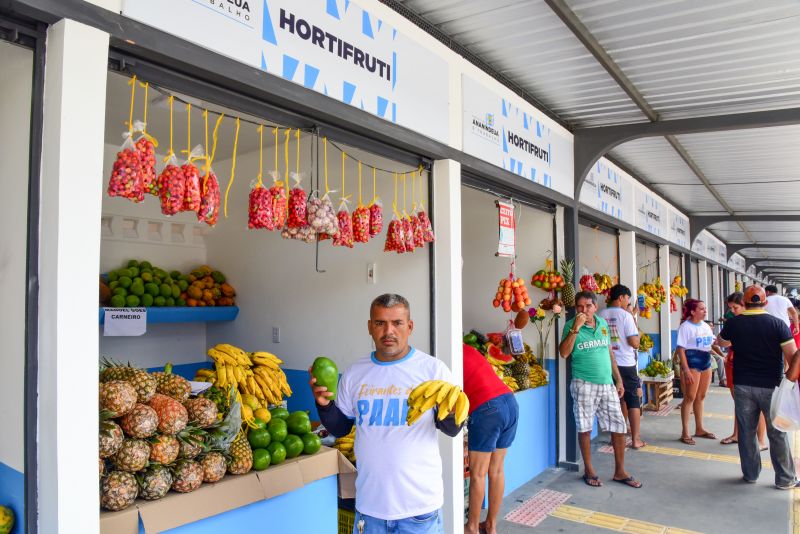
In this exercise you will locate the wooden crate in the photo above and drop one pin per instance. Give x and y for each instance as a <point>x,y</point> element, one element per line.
<point>659,394</point>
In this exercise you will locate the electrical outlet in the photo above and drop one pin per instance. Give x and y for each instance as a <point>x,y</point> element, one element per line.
<point>371,274</point>
<point>276,334</point>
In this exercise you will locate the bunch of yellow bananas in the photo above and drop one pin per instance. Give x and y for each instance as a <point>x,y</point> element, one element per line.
<point>253,373</point>
<point>345,445</point>
<point>448,397</point>
<point>537,376</point>
<point>511,382</point>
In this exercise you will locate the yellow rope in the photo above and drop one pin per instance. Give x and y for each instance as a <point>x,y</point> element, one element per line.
<point>374,189</point>
<point>260,155</point>
<point>132,83</point>
<point>275,131</point>
<point>233,167</point>
<point>325,151</point>
<point>359,185</point>
<point>171,151</point>
<point>297,148</point>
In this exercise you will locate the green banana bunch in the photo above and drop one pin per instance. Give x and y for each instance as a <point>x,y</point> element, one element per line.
<point>448,397</point>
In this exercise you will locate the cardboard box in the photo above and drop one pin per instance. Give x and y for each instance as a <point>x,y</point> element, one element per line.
<point>231,492</point>
<point>347,478</point>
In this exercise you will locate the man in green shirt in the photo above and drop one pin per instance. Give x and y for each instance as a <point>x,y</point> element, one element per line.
<point>596,386</point>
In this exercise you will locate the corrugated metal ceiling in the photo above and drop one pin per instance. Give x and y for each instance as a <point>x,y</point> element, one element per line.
<point>686,59</point>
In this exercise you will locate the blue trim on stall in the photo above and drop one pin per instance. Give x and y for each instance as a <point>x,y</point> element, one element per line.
<point>288,513</point>
<point>12,494</point>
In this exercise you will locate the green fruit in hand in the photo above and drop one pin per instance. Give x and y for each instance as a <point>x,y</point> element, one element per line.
<point>277,453</point>
<point>277,430</point>
<point>261,459</point>
<point>117,301</point>
<point>259,438</point>
<point>293,445</point>
<point>125,281</point>
<point>311,443</point>
<point>298,423</point>
<point>151,289</point>
<point>159,301</point>
<point>132,301</point>
<point>279,413</point>
<point>147,300</point>
<point>326,373</point>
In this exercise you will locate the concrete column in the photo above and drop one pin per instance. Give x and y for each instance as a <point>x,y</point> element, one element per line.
<point>627,260</point>
<point>447,304</point>
<point>72,185</point>
<point>702,281</point>
<point>719,298</point>
<point>665,317</point>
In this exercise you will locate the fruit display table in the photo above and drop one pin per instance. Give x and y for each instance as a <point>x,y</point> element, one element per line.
<point>658,391</point>
<point>281,493</point>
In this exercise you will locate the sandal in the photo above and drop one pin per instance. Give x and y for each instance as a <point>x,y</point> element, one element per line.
<point>729,441</point>
<point>764,448</point>
<point>706,435</point>
<point>592,481</point>
<point>688,441</point>
<point>630,481</point>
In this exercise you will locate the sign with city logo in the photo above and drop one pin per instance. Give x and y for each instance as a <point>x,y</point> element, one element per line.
<point>512,134</point>
<point>678,228</point>
<point>334,47</point>
<point>609,189</point>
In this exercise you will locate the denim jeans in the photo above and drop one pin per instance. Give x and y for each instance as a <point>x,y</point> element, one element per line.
<point>430,523</point>
<point>750,401</point>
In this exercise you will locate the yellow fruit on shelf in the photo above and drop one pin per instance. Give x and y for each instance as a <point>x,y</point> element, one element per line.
<point>263,414</point>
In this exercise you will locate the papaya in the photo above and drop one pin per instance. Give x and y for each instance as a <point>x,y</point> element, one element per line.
<point>227,290</point>
<point>327,374</point>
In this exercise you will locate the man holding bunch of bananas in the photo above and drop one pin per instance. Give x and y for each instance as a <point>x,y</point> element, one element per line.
<point>397,397</point>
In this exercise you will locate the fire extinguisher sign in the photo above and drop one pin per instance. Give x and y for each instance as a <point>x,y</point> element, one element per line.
<point>507,227</point>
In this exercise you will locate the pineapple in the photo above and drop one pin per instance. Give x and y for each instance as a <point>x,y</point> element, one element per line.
<point>118,490</point>
<point>132,456</point>
<point>214,466</point>
<point>118,397</point>
<point>164,449</point>
<point>154,483</point>
<point>241,456</point>
<point>141,380</point>
<point>141,422</point>
<point>102,467</point>
<point>521,371</point>
<point>507,370</point>
<point>192,442</point>
<point>172,416</point>
<point>110,435</point>
<point>568,291</point>
<point>188,476</point>
<point>202,412</point>
<point>172,385</point>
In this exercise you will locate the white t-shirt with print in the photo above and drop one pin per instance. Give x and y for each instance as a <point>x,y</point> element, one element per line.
<point>695,336</point>
<point>621,326</point>
<point>778,306</point>
<point>399,467</point>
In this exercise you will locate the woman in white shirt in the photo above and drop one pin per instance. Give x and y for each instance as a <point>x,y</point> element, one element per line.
<point>695,339</point>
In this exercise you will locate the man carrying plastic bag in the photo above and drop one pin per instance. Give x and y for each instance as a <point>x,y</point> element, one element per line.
<point>762,344</point>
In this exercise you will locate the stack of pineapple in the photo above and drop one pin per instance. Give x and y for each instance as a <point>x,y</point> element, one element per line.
<point>525,372</point>
<point>154,437</point>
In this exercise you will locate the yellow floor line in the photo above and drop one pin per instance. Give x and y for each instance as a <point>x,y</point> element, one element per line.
<point>713,415</point>
<point>669,451</point>
<point>613,522</point>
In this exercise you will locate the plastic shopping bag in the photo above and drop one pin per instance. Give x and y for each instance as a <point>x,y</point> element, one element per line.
<point>785,407</point>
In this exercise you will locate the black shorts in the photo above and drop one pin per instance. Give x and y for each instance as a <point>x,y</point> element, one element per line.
<point>630,381</point>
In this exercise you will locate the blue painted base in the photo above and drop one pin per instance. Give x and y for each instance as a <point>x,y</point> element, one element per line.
<point>12,494</point>
<point>312,508</point>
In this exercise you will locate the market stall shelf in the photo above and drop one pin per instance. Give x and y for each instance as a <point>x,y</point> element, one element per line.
<point>186,315</point>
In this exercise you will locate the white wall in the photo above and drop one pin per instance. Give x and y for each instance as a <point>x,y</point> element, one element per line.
<point>647,269</point>
<point>278,286</point>
<point>599,253</point>
<point>676,268</point>
<point>482,270</point>
<point>15,108</point>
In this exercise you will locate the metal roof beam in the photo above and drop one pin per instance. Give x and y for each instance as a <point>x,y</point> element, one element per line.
<point>762,261</point>
<point>698,223</point>
<point>737,247</point>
